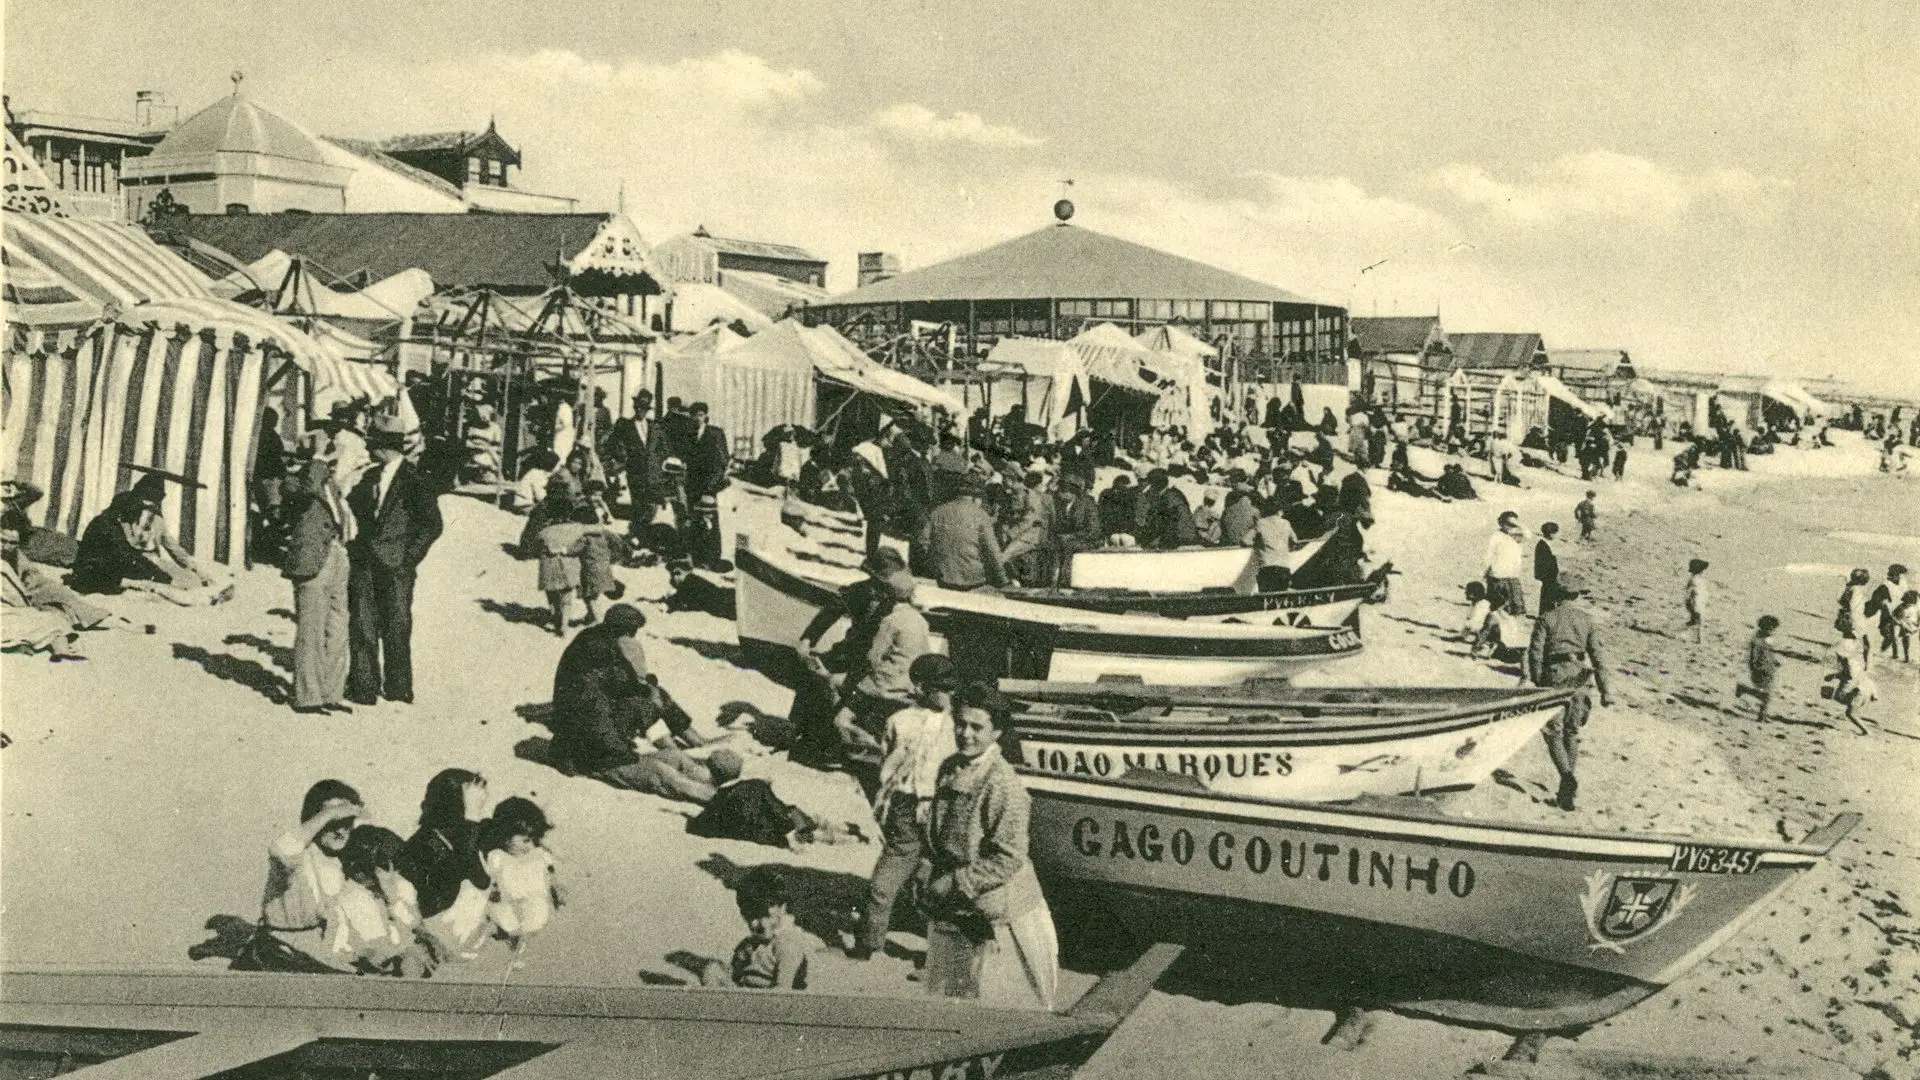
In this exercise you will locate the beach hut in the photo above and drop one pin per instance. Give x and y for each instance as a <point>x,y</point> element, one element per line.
<point>1523,402</point>
<point>118,353</point>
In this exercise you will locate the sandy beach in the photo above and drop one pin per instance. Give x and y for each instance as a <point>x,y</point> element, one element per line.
<point>142,786</point>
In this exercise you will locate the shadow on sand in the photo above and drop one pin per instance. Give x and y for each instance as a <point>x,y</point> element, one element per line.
<point>824,902</point>
<point>525,614</point>
<point>251,674</point>
<point>281,655</point>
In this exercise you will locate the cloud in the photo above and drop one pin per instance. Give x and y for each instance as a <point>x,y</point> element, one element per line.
<point>1602,184</point>
<point>917,123</point>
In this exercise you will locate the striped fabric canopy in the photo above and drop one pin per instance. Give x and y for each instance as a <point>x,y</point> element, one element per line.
<point>104,261</point>
<point>117,353</point>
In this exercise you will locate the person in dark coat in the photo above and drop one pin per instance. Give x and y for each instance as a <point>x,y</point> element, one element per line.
<point>707,454</point>
<point>629,448</point>
<point>1117,506</point>
<point>129,545</point>
<point>442,861</point>
<point>603,698</point>
<point>1546,566</point>
<point>397,519</point>
<point>1169,520</point>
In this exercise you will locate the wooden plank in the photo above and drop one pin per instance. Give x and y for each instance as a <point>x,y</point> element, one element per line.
<point>199,1056</point>
<point>1114,998</point>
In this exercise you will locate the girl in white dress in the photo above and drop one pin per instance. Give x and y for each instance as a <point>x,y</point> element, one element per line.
<point>524,890</point>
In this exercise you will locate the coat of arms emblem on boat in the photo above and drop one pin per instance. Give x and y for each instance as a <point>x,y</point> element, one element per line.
<point>1625,909</point>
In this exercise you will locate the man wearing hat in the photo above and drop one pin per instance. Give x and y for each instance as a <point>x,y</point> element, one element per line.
<point>884,686</point>
<point>396,521</point>
<point>958,542</point>
<point>1565,651</point>
<point>629,448</point>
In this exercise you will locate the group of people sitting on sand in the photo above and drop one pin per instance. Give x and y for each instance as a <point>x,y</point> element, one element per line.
<point>346,896</point>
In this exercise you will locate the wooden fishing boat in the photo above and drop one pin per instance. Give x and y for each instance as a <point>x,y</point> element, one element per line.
<point>1395,905</point>
<point>1330,606</point>
<point>1305,744</point>
<point>248,1026</point>
<point>777,594</point>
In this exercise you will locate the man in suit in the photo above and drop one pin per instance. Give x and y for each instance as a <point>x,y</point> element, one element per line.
<point>707,460</point>
<point>397,520</point>
<point>629,447</point>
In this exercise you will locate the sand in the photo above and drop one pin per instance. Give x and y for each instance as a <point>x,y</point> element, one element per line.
<point>142,786</point>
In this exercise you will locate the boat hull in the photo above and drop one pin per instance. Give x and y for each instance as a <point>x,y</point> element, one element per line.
<point>1012,638</point>
<point>1602,919</point>
<point>1316,761</point>
<point>1331,606</point>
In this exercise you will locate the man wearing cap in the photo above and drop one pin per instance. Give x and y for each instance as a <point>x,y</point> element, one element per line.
<point>707,454</point>
<point>1078,521</point>
<point>396,521</point>
<point>1565,651</point>
<point>862,605</point>
<point>884,687</point>
<point>958,544</point>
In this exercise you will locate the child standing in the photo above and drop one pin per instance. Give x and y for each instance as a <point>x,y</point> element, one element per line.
<point>1477,616</point>
<point>1696,598</point>
<point>1851,686</point>
<point>1762,665</point>
<point>918,740</point>
<point>1906,621</point>
<point>524,890</point>
<point>576,555</point>
<point>1586,515</point>
<point>773,955</point>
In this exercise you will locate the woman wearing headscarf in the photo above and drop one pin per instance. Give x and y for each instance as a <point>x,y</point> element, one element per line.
<point>990,935</point>
<point>129,546</point>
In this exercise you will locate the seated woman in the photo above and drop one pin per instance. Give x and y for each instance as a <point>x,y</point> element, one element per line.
<point>129,546</point>
<point>37,598</point>
<point>442,862</point>
<point>304,877</point>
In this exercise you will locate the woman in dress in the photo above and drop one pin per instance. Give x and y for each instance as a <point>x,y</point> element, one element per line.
<point>990,934</point>
<point>304,879</point>
<point>443,863</point>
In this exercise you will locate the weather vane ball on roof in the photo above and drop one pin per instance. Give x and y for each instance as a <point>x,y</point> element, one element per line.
<point>237,76</point>
<point>1063,210</point>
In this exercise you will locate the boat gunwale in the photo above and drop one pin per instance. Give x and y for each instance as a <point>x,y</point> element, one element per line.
<point>1093,732</point>
<point>1135,627</point>
<point>1816,846</point>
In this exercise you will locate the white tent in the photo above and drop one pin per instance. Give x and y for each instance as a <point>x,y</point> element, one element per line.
<point>1179,378</point>
<point>842,361</point>
<point>1048,377</point>
<point>697,305</point>
<point>387,300</point>
<point>1796,397</point>
<point>1172,339</point>
<point>751,385</point>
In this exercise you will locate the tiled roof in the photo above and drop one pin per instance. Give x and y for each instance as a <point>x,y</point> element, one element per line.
<point>433,140</point>
<point>1393,333</point>
<point>500,250</point>
<point>370,150</point>
<point>1067,261</point>
<point>1494,351</point>
<point>759,249</point>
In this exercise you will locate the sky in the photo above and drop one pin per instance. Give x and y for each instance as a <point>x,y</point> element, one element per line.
<point>1733,186</point>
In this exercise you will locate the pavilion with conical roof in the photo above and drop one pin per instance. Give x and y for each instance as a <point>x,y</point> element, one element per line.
<point>1056,281</point>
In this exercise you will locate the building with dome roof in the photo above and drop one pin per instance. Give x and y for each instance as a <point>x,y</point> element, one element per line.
<point>236,157</point>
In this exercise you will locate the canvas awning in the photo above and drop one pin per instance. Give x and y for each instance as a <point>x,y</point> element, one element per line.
<point>697,305</point>
<point>70,269</point>
<point>842,361</point>
<point>1172,339</point>
<point>1795,396</point>
<point>391,298</point>
<point>1558,391</point>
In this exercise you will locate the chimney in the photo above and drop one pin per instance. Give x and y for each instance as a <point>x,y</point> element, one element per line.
<point>876,266</point>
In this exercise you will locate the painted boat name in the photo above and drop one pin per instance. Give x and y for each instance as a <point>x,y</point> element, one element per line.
<point>1209,765</point>
<point>1226,851</point>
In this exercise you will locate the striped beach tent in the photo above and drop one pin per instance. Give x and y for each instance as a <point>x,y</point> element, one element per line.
<point>117,353</point>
